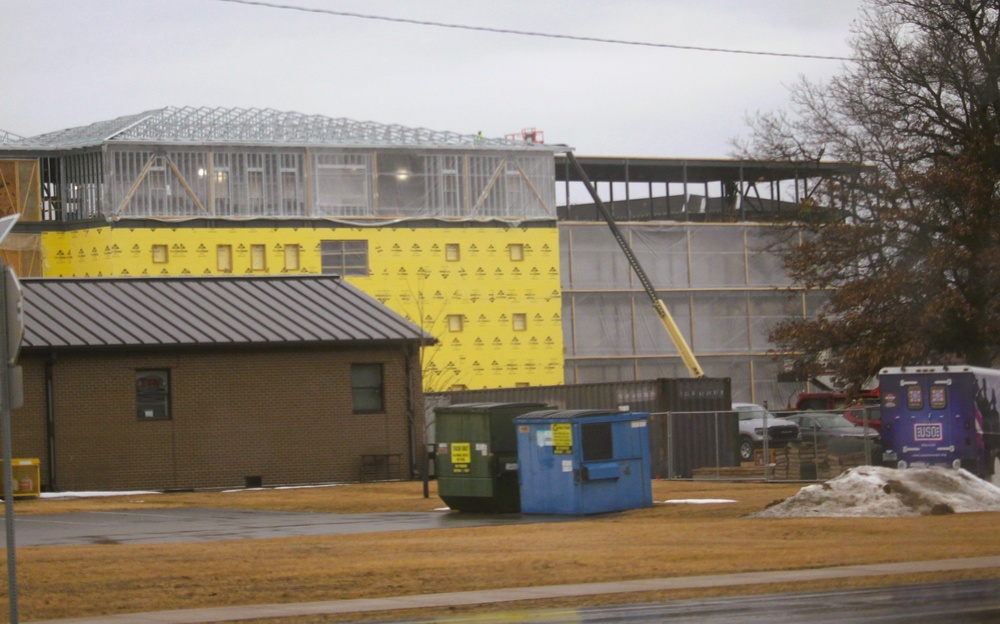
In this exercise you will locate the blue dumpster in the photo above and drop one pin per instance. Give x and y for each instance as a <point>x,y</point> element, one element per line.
<point>583,461</point>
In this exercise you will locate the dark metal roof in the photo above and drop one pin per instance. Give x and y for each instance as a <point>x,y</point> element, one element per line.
<point>476,408</point>
<point>571,414</point>
<point>206,311</point>
<point>691,170</point>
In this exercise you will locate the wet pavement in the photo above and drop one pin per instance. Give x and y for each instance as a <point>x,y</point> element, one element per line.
<point>193,525</point>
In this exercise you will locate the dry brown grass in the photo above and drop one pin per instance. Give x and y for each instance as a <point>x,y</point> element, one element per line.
<point>667,540</point>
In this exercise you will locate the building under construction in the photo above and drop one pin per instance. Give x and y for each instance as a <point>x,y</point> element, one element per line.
<point>484,243</point>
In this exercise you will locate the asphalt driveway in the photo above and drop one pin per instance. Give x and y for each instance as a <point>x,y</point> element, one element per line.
<point>192,525</point>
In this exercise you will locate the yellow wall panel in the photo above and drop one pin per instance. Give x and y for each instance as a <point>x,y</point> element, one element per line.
<point>503,286</point>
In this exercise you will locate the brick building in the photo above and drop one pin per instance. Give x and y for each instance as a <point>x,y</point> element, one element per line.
<point>208,382</point>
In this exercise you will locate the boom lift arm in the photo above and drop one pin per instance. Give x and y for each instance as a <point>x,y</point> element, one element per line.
<point>661,309</point>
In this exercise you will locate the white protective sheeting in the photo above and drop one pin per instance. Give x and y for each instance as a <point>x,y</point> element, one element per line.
<point>724,285</point>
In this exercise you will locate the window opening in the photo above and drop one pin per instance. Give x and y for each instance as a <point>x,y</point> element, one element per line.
<point>291,257</point>
<point>224,258</point>
<point>160,254</point>
<point>366,388</point>
<point>258,258</point>
<point>452,252</point>
<point>516,251</point>
<point>290,204</point>
<point>520,321</point>
<point>255,191</point>
<point>152,394</point>
<point>223,205</point>
<point>344,257</point>
<point>455,322</point>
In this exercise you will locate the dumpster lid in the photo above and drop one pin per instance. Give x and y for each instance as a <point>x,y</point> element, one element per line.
<point>555,414</point>
<point>488,407</point>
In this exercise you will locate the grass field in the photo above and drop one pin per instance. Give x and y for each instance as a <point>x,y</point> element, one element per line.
<point>662,541</point>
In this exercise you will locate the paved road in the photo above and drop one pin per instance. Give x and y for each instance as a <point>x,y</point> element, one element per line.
<point>455,601</point>
<point>187,525</point>
<point>965,602</point>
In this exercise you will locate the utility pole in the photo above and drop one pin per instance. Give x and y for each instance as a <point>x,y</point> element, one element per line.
<point>11,330</point>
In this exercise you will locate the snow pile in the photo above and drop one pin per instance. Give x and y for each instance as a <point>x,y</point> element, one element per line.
<point>873,491</point>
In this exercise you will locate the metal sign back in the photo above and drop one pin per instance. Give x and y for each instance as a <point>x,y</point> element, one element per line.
<point>14,311</point>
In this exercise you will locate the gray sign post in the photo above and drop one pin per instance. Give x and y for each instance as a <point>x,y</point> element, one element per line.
<point>11,297</point>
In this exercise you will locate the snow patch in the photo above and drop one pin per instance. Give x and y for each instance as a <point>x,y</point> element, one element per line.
<point>874,491</point>
<point>697,501</point>
<point>58,495</point>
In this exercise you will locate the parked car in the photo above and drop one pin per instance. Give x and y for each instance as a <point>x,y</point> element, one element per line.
<point>835,431</point>
<point>752,419</point>
<point>865,415</point>
<point>823,401</point>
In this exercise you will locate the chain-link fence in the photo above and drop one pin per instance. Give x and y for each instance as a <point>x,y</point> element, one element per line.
<point>762,445</point>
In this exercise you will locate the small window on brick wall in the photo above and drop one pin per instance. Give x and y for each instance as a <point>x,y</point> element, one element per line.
<point>152,394</point>
<point>367,388</point>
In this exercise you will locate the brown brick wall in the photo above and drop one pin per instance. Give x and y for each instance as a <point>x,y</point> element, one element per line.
<point>284,416</point>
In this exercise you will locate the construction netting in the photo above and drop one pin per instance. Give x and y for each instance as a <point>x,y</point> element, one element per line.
<point>724,285</point>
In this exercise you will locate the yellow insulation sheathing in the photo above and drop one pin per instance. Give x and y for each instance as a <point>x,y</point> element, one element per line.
<point>490,295</point>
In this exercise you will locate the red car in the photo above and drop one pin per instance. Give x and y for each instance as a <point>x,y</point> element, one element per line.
<point>862,415</point>
<point>826,401</point>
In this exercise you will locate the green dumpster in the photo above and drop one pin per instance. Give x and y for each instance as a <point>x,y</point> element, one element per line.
<point>476,455</point>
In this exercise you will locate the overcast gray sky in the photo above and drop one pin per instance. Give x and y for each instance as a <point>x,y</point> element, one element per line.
<point>73,62</point>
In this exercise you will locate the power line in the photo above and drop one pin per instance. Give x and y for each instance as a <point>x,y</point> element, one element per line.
<point>526,33</point>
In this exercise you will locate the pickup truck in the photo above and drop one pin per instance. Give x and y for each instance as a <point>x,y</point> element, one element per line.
<point>753,418</point>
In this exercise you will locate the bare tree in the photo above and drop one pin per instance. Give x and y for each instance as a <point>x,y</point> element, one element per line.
<point>913,263</point>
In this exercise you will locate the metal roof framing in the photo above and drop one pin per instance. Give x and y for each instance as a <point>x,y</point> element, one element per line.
<point>257,126</point>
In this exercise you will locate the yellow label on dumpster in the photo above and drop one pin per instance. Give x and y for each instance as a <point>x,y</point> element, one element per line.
<point>461,456</point>
<point>562,438</point>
